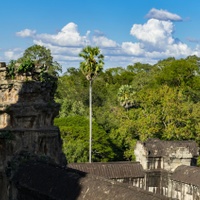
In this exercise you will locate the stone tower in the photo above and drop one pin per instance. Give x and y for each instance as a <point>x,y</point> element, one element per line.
<point>27,111</point>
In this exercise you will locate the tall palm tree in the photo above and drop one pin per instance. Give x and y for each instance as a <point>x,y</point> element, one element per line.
<point>91,67</point>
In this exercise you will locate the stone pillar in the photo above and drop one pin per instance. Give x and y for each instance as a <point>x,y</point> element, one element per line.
<point>27,111</point>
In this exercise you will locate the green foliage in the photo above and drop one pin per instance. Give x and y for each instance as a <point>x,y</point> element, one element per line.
<point>164,99</point>
<point>71,108</point>
<point>72,93</point>
<point>39,56</point>
<point>126,96</point>
<point>139,67</point>
<point>35,64</point>
<point>11,69</point>
<point>178,73</point>
<point>93,62</point>
<point>78,108</point>
<point>166,113</point>
<point>74,132</point>
<point>124,134</point>
<point>27,66</point>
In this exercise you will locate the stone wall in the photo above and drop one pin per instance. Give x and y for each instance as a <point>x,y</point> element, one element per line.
<point>170,168</point>
<point>168,155</point>
<point>27,111</point>
<point>184,183</point>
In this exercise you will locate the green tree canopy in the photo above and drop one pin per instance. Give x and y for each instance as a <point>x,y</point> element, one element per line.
<point>166,95</point>
<point>74,131</point>
<point>41,56</point>
<point>178,72</point>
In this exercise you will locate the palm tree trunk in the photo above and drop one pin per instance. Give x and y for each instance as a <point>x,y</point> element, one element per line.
<point>90,105</point>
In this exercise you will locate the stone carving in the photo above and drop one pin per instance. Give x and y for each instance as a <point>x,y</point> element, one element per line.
<point>27,111</point>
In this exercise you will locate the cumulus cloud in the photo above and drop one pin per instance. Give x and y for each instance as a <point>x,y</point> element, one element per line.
<point>68,42</point>
<point>26,33</point>
<point>132,48</point>
<point>13,54</point>
<point>154,41</point>
<point>154,33</point>
<point>100,39</point>
<point>163,15</point>
<point>68,36</point>
<point>59,49</point>
<point>197,51</point>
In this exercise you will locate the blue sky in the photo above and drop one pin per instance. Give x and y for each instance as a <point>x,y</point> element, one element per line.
<point>126,31</point>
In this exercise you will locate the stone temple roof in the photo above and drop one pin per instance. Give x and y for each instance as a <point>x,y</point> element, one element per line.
<point>111,170</point>
<point>187,174</point>
<point>35,180</point>
<point>159,148</point>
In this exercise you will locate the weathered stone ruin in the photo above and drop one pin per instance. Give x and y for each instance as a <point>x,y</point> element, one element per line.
<point>162,161</point>
<point>166,155</point>
<point>167,168</point>
<point>27,110</point>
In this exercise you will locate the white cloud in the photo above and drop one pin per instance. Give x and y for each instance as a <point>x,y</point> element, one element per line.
<point>154,33</point>
<point>64,45</point>
<point>154,41</point>
<point>26,33</point>
<point>163,15</point>
<point>68,36</point>
<point>12,54</point>
<point>132,48</point>
<point>197,51</point>
<point>99,39</point>
<point>102,41</point>
<point>67,43</point>
<point>59,49</point>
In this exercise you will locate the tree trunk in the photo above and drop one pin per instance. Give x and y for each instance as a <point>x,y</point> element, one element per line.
<point>90,106</point>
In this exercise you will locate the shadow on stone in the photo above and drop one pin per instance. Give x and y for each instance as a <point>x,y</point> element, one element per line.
<point>32,164</point>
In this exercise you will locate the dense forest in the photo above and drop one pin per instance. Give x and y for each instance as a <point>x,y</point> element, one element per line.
<point>134,103</point>
<point>129,104</point>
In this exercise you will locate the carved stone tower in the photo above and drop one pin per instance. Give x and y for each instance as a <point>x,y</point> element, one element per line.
<point>27,111</point>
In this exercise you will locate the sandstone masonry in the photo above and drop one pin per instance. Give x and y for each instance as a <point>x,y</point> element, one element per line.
<point>27,110</point>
